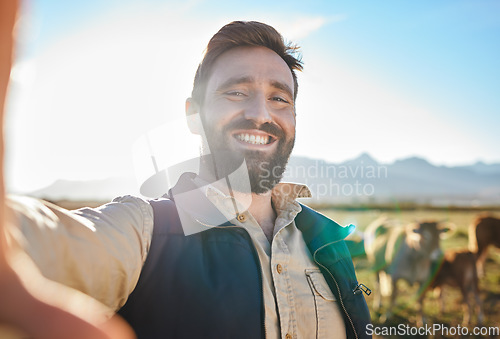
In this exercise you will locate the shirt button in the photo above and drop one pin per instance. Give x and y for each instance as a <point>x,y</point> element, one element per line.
<point>279,268</point>
<point>288,336</point>
<point>241,218</point>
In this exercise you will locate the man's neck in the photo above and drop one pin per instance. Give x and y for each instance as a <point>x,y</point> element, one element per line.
<point>262,210</point>
<point>259,205</point>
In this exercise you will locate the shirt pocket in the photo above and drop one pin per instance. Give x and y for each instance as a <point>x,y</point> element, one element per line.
<point>329,321</point>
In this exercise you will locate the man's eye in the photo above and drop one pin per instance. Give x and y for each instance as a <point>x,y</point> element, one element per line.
<point>279,99</point>
<point>235,93</point>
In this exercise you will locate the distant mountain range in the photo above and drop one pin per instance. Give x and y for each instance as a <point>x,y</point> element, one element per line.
<point>362,179</point>
<point>413,179</point>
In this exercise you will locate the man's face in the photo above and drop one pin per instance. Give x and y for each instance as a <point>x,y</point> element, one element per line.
<point>249,113</point>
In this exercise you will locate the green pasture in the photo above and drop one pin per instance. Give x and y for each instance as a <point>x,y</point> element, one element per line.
<point>405,312</point>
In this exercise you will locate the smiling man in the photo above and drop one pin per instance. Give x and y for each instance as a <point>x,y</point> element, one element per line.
<point>227,252</point>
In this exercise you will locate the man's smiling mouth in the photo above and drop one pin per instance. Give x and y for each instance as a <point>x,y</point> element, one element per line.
<point>258,138</point>
<point>254,139</point>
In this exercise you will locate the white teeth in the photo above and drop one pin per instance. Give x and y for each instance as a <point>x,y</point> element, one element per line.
<point>253,139</point>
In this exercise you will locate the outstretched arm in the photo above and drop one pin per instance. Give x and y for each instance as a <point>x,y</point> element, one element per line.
<point>22,308</point>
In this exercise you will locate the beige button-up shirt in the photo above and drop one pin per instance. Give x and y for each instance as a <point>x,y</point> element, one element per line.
<point>298,302</point>
<point>101,252</point>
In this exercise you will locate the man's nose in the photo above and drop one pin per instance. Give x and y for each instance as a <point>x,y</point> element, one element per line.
<point>258,111</point>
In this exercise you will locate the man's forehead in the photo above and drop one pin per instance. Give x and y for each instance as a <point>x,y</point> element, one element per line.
<point>251,64</point>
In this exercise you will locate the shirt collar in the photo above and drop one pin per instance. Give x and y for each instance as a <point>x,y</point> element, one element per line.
<point>283,197</point>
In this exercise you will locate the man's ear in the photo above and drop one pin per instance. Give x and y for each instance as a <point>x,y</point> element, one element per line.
<point>193,116</point>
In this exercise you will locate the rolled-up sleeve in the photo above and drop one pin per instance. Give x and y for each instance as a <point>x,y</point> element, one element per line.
<point>99,251</point>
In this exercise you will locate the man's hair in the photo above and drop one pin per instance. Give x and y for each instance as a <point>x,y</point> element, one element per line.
<point>244,33</point>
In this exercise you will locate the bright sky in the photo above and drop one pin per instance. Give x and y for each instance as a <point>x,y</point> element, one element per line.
<point>392,78</point>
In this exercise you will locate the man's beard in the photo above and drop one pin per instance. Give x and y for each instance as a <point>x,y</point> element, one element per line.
<point>264,171</point>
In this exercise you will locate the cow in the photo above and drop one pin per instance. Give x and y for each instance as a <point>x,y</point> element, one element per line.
<point>483,232</point>
<point>402,252</point>
<point>458,269</point>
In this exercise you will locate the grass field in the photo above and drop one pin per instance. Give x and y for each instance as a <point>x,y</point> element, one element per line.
<point>405,305</point>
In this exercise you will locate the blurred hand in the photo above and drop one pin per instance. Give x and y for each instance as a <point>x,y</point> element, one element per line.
<point>31,313</point>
